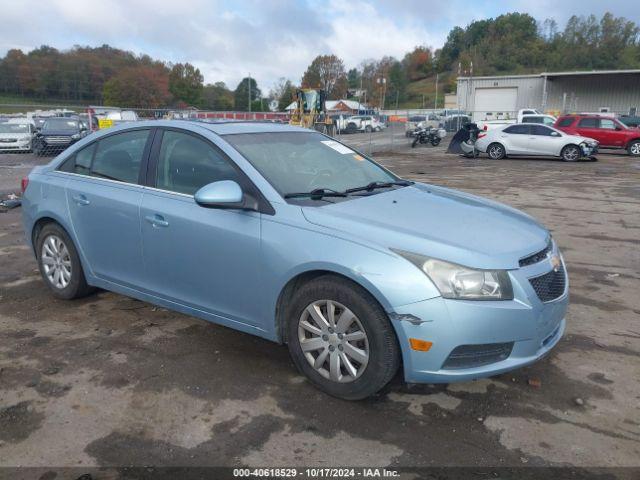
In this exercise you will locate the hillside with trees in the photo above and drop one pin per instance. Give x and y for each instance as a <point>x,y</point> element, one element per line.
<point>513,43</point>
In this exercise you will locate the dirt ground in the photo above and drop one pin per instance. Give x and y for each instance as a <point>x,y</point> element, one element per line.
<point>108,381</point>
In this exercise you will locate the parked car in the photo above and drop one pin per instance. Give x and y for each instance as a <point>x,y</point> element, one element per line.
<point>630,120</point>
<point>455,122</point>
<point>535,140</point>
<point>58,133</point>
<point>608,131</point>
<point>283,233</point>
<point>363,123</point>
<point>17,135</point>
<point>523,117</point>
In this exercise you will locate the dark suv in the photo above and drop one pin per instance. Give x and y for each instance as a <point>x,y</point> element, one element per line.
<point>608,131</point>
<point>58,133</point>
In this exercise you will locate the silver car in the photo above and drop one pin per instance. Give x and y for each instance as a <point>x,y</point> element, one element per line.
<point>17,135</point>
<point>535,140</point>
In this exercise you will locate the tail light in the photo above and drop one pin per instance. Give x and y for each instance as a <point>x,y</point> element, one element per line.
<point>480,135</point>
<point>24,183</point>
<point>485,128</point>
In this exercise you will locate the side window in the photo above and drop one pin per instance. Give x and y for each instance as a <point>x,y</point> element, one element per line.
<point>565,122</point>
<point>118,157</point>
<point>80,163</point>
<point>517,129</point>
<point>607,124</point>
<point>541,130</point>
<point>187,163</point>
<point>588,123</point>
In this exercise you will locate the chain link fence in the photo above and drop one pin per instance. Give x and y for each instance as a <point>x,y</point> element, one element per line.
<point>49,129</point>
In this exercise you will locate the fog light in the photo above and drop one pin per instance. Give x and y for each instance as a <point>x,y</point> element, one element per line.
<point>420,345</point>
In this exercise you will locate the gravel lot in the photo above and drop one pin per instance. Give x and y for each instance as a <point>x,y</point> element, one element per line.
<point>108,381</point>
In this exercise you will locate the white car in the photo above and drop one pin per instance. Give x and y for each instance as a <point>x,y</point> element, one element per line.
<point>363,123</point>
<point>535,140</point>
<point>17,135</point>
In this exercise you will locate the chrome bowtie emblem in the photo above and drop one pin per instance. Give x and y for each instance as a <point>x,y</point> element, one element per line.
<point>555,263</point>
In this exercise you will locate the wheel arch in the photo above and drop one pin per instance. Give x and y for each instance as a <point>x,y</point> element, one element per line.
<point>39,224</point>
<point>300,278</point>
<point>637,139</point>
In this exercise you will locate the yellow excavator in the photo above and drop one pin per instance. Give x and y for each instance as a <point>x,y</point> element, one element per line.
<point>311,111</point>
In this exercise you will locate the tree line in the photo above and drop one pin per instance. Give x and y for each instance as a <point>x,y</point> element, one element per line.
<point>508,44</point>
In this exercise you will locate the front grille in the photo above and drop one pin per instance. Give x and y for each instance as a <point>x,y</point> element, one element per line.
<point>471,356</point>
<point>536,257</point>
<point>551,285</point>
<point>59,140</point>
<point>8,140</point>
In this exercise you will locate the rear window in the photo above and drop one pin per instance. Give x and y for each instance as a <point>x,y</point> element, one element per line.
<point>565,122</point>
<point>588,123</point>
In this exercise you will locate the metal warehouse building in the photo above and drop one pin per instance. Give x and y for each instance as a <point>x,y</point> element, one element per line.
<point>560,92</point>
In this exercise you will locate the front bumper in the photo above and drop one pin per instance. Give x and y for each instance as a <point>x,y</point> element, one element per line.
<point>589,150</point>
<point>16,146</point>
<point>529,326</point>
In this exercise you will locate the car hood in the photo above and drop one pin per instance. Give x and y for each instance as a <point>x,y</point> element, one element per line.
<point>437,222</point>
<point>579,139</point>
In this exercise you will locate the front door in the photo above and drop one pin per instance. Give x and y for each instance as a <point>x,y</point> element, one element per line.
<point>207,259</point>
<point>104,201</point>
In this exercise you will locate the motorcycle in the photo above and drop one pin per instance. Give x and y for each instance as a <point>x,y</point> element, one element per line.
<point>426,135</point>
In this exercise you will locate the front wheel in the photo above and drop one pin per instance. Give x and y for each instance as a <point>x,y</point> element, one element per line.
<point>634,148</point>
<point>570,153</point>
<point>416,139</point>
<point>341,338</point>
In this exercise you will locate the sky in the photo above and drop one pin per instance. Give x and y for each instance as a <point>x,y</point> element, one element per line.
<point>269,39</point>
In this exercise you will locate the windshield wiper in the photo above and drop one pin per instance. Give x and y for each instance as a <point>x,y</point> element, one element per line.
<point>316,194</point>
<point>374,185</point>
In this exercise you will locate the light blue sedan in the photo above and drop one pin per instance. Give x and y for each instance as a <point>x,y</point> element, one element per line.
<point>290,235</point>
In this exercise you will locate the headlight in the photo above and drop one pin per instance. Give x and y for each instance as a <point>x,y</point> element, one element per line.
<point>75,136</point>
<point>456,281</point>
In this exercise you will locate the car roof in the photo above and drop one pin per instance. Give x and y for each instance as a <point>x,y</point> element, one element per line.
<point>219,128</point>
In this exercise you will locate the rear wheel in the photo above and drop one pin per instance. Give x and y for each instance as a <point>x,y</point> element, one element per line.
<point>634,148</point>
<point>496,151</point>
<point>341,339</point>
<point>571,153</point>
<point>368,129</point>
<point>435,141</point>
<point>59,263</point>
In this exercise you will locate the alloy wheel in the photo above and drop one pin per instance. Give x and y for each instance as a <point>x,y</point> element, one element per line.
<point>56,261</point>
<point>495,152</point>
<point>635,149</point>
<point>333,341</point>
<point>571,154</point>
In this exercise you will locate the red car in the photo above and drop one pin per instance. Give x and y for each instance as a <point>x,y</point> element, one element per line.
<point>608,131</point>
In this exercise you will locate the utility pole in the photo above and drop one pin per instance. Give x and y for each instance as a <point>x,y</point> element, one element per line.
<point>435,103</point>
<point>249,90</point>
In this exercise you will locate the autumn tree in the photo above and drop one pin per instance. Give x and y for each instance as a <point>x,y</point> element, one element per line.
<point>283,92</point>
<point>326,72</point>
<point>185,83</point>
<point>217,97</point>
<point>418,63</point>
<point>144,87</point>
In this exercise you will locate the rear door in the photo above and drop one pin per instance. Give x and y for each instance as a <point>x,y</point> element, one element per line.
<point>103,197</point>
<point>588,127</point>
<point>516,138</point>
<point>205,258</point>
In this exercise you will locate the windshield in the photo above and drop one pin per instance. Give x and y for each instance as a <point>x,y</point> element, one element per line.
<point>60,124</point>
<point>301,161</point>
<point>14,128</point>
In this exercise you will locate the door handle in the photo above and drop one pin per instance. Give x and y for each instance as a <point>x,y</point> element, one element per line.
<point>157,220</point>
<point>81,200</point>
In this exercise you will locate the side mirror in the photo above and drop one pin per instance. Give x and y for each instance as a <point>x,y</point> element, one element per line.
<point>618,128</point>
<point>223,194</point>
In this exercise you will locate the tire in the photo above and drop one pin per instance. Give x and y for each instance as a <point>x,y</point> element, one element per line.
<point>634,148</point>
<point>352,128</point>
<point>571,153</point>
<point>368,129</point>
<point>496,151</point>
<point>416,139</point>
<point>374,339</point>
<point>53,246</point>
<point>435,141</point>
